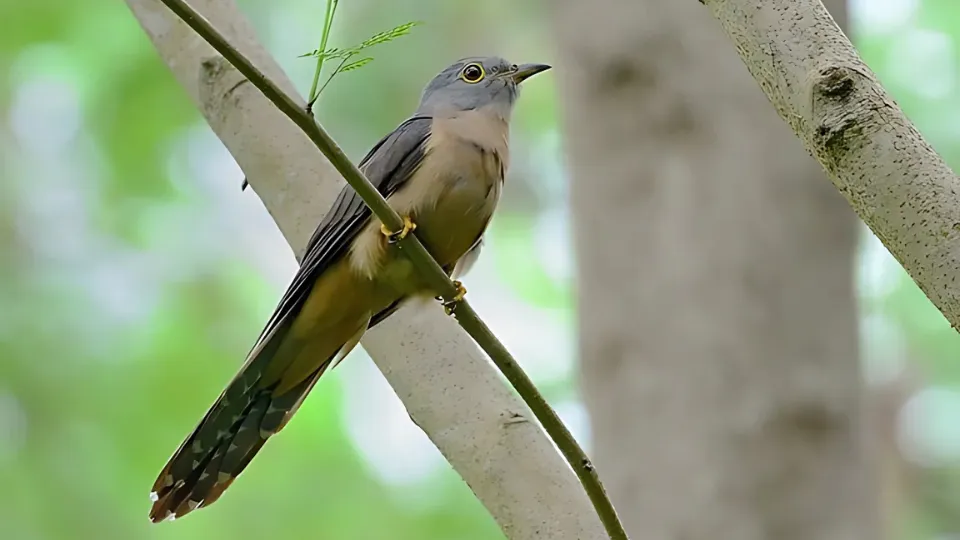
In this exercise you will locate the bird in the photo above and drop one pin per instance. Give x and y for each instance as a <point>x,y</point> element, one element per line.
<point>442,170</point>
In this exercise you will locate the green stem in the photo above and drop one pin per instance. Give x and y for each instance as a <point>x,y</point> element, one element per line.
<point>325,36</point>
<point>437,278</point>
<point>332,75</point>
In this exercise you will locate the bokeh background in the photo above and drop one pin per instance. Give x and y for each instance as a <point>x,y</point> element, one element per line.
<point>134,275</point>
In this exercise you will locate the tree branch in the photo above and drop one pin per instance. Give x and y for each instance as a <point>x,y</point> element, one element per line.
<point>546,501</point>
<point>888,173</point>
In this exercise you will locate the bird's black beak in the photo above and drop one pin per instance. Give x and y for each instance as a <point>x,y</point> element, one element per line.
<point>525,71</point>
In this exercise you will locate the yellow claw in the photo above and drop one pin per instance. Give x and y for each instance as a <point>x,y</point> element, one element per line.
<point>395,236</point>
<point>450,305</point>
<point>461,291</point>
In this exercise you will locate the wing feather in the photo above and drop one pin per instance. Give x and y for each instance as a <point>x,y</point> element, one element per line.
<point>388,165</point>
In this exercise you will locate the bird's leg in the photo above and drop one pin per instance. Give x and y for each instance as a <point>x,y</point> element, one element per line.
<point>450,305</point>
<point>395,236</point>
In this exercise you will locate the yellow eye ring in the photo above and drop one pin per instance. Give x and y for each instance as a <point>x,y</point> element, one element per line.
<point>472,73</point>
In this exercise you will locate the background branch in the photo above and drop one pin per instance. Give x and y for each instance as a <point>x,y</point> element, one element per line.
<point>889,174</point>
<point>511,467</point>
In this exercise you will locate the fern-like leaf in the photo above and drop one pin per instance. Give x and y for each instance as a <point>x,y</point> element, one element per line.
<point>355,65</point>
<point>345,55</point>
<point>376,39</point>
<point>334,53</point>
<point>389,35</point>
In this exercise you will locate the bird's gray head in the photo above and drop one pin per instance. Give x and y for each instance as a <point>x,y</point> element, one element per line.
<point>477,83</point>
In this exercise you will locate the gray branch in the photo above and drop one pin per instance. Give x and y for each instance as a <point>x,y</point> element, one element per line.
<point>874,155</point>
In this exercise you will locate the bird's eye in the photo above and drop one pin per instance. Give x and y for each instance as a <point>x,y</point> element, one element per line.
<point>472,73</point>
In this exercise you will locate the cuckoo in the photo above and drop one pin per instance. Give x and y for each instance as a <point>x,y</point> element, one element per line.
<point>442,170</point>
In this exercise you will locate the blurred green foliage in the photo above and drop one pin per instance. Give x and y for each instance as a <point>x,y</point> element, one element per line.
<point>135,275</point>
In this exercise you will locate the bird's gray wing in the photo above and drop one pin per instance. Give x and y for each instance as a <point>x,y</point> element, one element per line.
<point>388,165</point>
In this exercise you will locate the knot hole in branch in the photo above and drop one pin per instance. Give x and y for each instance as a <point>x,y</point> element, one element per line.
<point>837,119</point>
<point>835,83</point>
<point>212,66</point>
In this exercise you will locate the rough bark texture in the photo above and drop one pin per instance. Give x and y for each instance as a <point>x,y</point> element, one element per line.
<point>874,155</point>
<point>718,330</point>
<point>449,388</point>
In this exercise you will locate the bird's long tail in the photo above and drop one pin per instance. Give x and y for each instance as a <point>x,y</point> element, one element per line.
<point>256,405</point>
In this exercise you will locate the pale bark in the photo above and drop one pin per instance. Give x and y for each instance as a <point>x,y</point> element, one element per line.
<point>874,155</point>
<point>448,387</point>
<point>718,331</point>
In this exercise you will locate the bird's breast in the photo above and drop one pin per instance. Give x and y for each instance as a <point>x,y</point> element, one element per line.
<point>461,185</point>
<point>451,197</point>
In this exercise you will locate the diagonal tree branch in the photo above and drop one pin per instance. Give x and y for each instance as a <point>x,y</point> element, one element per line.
<point>874,155</point>
<point>511,467</point>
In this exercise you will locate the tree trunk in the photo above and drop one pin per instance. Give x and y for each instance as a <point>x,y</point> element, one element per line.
<point>718,329</point>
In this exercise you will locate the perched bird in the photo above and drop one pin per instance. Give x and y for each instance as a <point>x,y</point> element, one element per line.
<point>442,170</point>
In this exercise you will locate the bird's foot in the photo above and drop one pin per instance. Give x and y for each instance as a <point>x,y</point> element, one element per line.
<point>395,236</point>
<point>450,305</point>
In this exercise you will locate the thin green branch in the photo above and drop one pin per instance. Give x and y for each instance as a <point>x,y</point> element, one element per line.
<point>327,26</point>
<point>330,78</point>
<point>438,280</point>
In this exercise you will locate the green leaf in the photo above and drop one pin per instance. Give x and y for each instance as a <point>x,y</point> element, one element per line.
<point>329,53</point>
<point>355,65</point>
<point>344,55</point>
<point>376,39</point>
<point>389,35</point>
